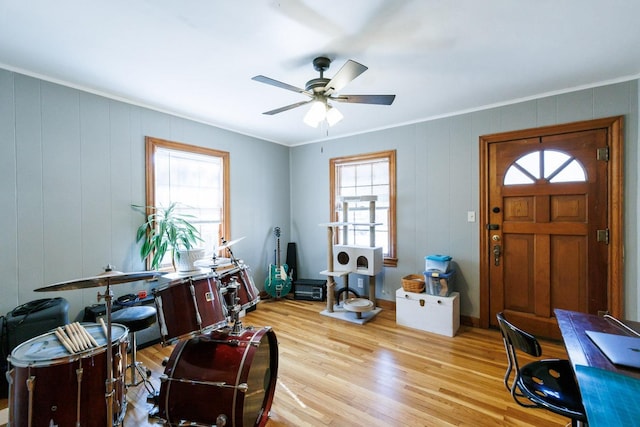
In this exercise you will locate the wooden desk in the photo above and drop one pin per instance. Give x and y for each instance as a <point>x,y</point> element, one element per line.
<point>609,392</point>
<point>581,350</point>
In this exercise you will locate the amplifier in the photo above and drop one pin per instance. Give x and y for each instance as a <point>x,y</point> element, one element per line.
<point>310,290</point>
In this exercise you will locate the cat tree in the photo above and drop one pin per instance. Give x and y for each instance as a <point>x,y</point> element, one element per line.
<point>343,260</point>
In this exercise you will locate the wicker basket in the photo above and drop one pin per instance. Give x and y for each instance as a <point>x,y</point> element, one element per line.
<point>413,283</point>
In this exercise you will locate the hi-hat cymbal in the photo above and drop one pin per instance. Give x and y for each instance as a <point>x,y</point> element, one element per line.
<point>212,262</point>
<point>104,279</point>
<point>232,242</point>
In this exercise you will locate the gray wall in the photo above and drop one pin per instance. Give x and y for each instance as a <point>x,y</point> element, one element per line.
<point>72,163</point>
<point>437,179</point>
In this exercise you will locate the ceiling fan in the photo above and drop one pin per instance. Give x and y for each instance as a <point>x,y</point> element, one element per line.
<point>322,90</point>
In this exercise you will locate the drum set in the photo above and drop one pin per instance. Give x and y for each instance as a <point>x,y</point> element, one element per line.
<point>219,373</point>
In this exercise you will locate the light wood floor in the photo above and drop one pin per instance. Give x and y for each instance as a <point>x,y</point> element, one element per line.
<point>337,373</point>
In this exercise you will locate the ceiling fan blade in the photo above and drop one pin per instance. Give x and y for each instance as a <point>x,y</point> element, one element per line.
<point>276,83</point>
<point>287,107</point>
<point>366,99</point>
<point>349,71</point>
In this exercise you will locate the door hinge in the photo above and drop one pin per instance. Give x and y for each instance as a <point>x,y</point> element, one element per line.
<point>603,154</point>
<point>603,236</point>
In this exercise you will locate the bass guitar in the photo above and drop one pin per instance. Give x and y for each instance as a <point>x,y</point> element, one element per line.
<point>278,282</point>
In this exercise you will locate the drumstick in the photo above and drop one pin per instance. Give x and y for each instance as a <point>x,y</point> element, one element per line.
<point>72,335</point>
<point>63,340</point>
<point>88,335</point>
<point>104,329</point>
<point>76,329</point>
<point>83,332</point>
<point>69,340</point>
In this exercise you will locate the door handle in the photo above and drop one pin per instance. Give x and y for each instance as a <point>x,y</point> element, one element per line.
<point>496,254</point>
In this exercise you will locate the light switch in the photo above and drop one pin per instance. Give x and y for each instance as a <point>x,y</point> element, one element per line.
<point>471,216</point>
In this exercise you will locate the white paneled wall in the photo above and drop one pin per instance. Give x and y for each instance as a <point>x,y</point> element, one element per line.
<point>71,165</point>
<point>437,176</point>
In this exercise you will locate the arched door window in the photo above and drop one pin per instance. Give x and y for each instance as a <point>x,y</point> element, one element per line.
<point>549,165</point>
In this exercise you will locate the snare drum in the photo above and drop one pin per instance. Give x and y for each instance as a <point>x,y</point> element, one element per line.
<point>218,377</point>
<point>49,386</point>
<point>246,288</point>
<point>189,306</point>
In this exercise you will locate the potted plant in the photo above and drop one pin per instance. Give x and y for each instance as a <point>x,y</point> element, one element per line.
<point>166,229</point>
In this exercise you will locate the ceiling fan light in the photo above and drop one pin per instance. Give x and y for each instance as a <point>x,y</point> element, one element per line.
<point>316,114</point>
<point>333,116</point>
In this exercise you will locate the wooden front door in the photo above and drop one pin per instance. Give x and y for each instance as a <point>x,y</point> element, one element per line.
<point>547,225</point>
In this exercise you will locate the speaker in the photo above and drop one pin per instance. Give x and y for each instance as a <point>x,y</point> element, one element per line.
<point>310,290</point>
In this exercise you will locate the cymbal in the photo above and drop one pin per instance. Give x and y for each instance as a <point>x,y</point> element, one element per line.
<point>232,242</point>
<point>104,279</point>
<point>212,262</point>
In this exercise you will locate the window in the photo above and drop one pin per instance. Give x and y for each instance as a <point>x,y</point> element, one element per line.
<point>197,179</point>
<point>551,165</point>
<point>366,175</point>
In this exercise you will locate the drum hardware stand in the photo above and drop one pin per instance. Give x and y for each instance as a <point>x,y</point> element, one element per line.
<point>109,383</point>
<point>227,245</point>
<point>137,368</point>
<point>235,308</point>
<point>221,420</point>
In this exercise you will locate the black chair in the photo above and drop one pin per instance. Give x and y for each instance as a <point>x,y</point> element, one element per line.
<point>548,384</point>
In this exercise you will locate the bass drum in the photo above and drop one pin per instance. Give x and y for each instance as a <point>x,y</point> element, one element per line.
<point>221,378</point>
<point>50,387</point>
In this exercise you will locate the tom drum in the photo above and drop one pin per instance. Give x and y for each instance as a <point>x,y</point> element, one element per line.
<point>189,306</point>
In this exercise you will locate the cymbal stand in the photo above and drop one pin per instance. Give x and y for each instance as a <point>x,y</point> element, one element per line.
<point>214,257</point>
<point>233,259</point>
<point>235,307</point>
<point>109,382</point>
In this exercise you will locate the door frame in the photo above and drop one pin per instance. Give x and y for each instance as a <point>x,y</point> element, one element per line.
<point>615,192</point>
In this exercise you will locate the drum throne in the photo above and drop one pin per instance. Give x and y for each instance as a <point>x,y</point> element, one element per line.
<point>137,318</point>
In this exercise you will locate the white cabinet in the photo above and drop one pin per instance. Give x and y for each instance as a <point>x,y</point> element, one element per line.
<point>431,313</point>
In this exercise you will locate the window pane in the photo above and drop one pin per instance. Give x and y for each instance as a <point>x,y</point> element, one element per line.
<point>558,167</point>
<point>552,161</point>
<point>531,163</point>
<point>380,173</point>
<point>515,176</point>
<point>364,178</point>
<point>195,179</point>
<point>573,172</point>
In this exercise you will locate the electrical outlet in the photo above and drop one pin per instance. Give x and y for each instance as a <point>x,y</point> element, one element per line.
<point>360,282</point>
